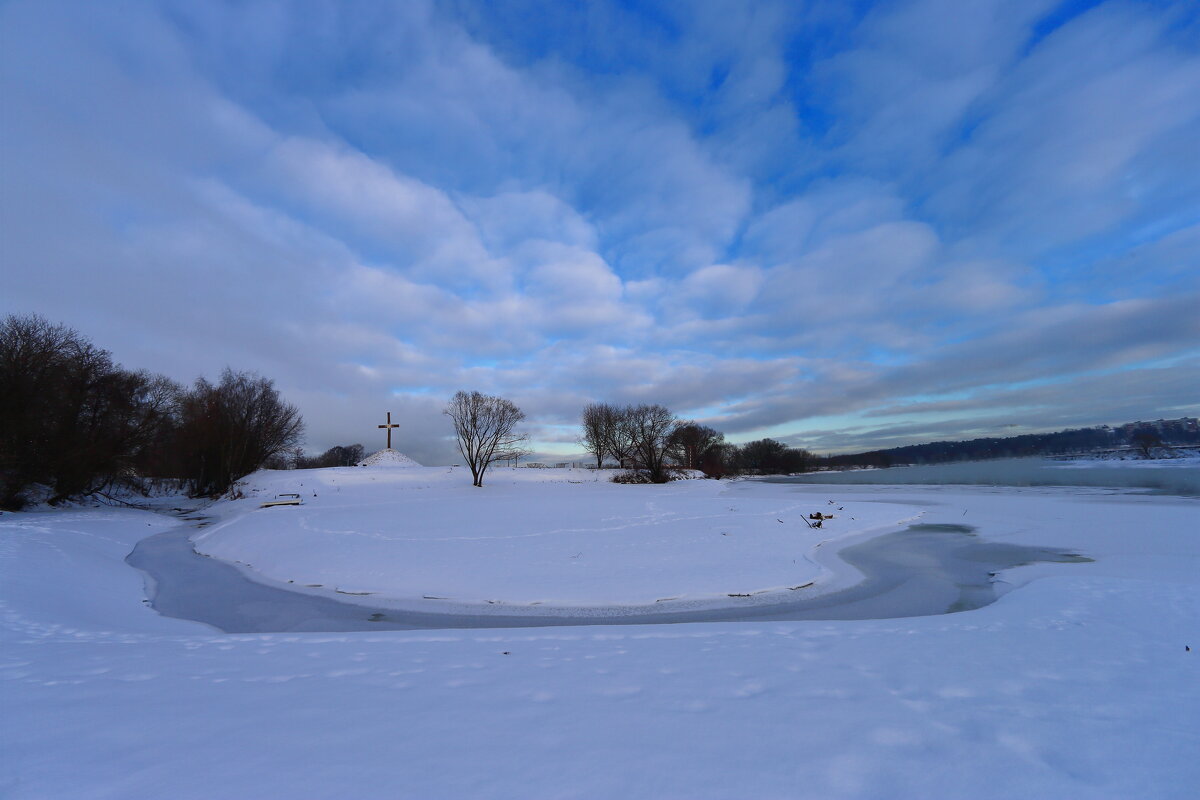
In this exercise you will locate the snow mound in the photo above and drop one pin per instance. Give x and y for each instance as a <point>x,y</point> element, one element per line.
<point>387,457</point>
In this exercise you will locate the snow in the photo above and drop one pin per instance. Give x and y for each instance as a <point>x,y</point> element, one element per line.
<point>1076,683</point>
<point>546,540</point>
<point>388,457</point>
<point>1173,476</point>
<point>1161,458</point>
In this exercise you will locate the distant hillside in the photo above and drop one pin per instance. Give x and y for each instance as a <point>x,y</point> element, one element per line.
<point>1134,435</point>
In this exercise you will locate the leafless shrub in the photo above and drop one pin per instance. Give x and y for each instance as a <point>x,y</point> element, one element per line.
<point>230,429</point>
<point>70,419</point>
<point>690,443</point>
<point>649,429</point>
<point>341,455</point>
<point>631,476</point>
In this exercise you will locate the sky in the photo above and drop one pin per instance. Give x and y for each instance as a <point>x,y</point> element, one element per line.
<point>843,225</point>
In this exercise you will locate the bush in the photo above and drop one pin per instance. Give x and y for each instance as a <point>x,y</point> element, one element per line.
<point>228,430</point>
<point>634,476</point>
<point>769,457</point>
<point>691,444</point>
<point>70,419</point>
<point>340,455</point>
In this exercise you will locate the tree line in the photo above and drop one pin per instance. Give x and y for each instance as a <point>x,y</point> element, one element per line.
<point>1143,436</point>
<point>74,422</point>
<point>647,440</point>
<point>341,455</point>
<point>652,442</point>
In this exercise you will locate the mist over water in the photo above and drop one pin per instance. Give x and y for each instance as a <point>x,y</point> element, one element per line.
<point>1179,478</point>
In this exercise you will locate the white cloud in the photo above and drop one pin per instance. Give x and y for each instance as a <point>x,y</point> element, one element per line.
<point>915,72</point>
<point>508,219</point>
<point>1069,146</point>
<point>827,284</point>
<point>720,289</point>
<point>425,231</point>
<point>828,209</point>
<point>720,211</point>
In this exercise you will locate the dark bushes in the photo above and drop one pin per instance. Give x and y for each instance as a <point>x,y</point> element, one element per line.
<point>341,455</point>
<point>692,446</point>
<point>72,421</point>
<point>230,429</point>
<point>769,457</point>
<point>651,442</point>
<point>637,436</point>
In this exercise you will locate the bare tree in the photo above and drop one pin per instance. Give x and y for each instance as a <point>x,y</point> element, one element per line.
<point>763,456</point>
<point>351,454</point>
<point>70,419</point>
<point>233,428</point>
<point>484,427</point>
<point>596,421</point>
<point>689,443</point>
<point>73,421</point>
<point>650,427</point>
<point>769,457</point>
<point>797,459</point>
<point>340,455</point>
<point>621,434</point>
<point>1145,440</point>
<point>719,460</point>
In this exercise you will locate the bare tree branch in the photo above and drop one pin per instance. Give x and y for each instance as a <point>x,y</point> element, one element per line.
<point>484,427</point>
<point>650,427</point>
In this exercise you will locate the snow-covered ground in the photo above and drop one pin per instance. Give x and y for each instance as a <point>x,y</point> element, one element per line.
<point>387,457</point>
<point>1075,684</point>
<point>1160,457</point>
<point>538,540</point>
<point>1180,475</point>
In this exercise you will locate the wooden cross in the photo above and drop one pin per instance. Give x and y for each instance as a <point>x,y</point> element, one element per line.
<point>389,427</point>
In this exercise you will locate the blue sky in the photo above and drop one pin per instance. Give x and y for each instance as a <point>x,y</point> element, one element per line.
<point>843,225</point>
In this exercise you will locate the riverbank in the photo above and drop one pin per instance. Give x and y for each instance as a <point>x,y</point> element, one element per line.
<point>1172,476</point>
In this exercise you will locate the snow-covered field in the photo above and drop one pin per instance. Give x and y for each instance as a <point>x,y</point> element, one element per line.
<point>533,540</point>
<point>1076,683</point>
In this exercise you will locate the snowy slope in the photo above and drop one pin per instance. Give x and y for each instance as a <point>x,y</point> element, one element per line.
<point>1074,684</point>
<point>388,457</point>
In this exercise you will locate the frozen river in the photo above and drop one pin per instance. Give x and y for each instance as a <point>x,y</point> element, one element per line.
<point>923,570</point>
